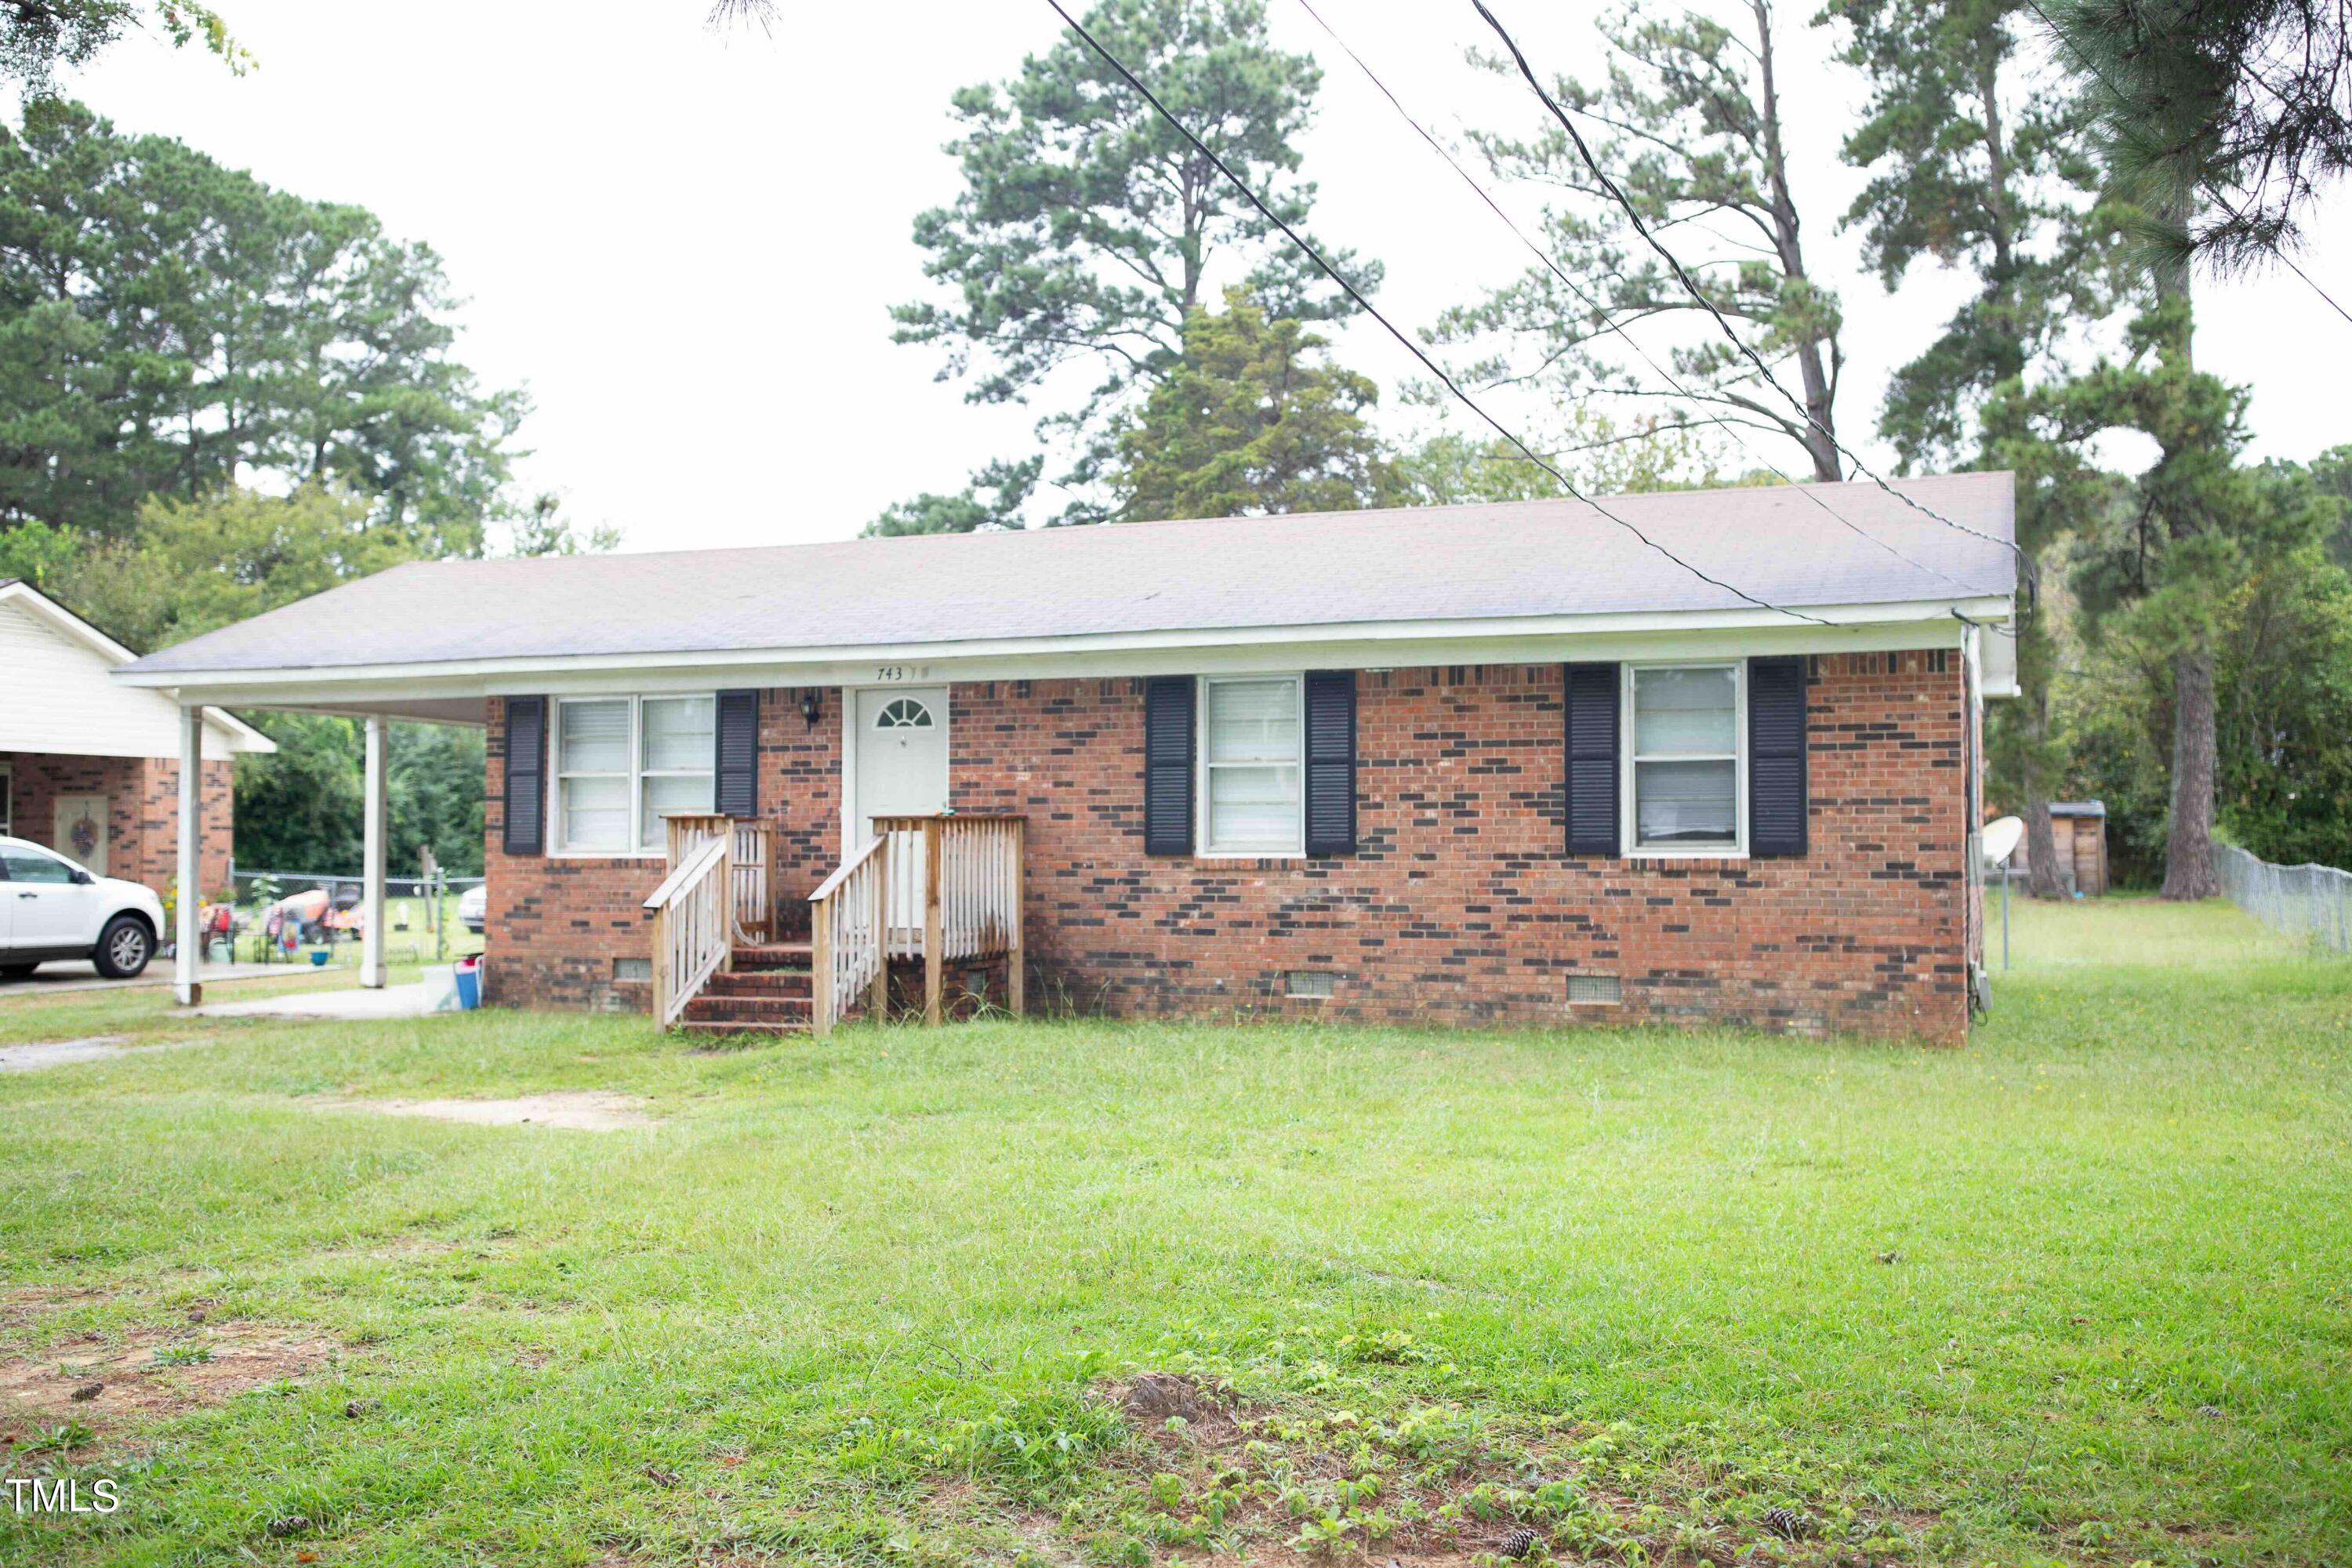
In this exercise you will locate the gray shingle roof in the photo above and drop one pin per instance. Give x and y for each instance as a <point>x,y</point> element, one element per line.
<point>1795,546</point>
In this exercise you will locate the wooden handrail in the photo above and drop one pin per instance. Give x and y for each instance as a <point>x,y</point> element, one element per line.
<point>960,899</point>
<point>826,888</point>
<point>849,946</point>
<point>694,925</point>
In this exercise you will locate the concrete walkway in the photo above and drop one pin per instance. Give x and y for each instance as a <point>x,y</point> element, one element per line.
<point>353,1004</point>
<point>80,974</point>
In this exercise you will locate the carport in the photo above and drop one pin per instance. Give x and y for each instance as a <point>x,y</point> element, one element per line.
<point>372,696</point>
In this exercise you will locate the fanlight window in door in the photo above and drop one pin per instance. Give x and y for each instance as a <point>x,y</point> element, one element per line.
<point>903,713</point>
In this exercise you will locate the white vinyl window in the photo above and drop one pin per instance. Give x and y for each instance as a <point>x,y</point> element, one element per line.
<point>1252,767</point>
<point>1684,769</point>
<point>623,763</point>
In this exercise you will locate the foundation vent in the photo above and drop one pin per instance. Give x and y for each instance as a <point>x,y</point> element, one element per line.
<point>1314,984</point>
<point>1595,990</point>
<point>633,969</point>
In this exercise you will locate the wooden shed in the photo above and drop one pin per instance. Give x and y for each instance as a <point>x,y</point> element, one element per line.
<point>2079,828</point>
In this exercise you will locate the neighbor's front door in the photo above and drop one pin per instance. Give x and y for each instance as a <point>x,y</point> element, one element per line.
<point>82,831</point>
<point>902,771</point>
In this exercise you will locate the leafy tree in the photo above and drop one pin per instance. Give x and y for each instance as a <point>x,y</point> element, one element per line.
<point>1449,468</point>
<point>168,327</point>
<point>1692,130</point>
<point>1253,419</point>
<point>1008,486</point>
<point>541,529</point>
<point>37,36</point>
<point>2197,99</point>
<point>194,567</point>
<point>1087,230</point>
<point>2332,472</point>
<point>303,810</point>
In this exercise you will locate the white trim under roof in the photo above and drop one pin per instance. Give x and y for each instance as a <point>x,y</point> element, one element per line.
<point>446,685</point>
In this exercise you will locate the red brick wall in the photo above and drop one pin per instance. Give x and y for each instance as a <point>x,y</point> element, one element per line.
<point>1461,906</point>
<point>557,923</point>
<point>143,813</point>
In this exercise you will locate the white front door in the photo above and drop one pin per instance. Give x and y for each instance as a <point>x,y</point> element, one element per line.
<point>902,771</point>
<point>81,830</point>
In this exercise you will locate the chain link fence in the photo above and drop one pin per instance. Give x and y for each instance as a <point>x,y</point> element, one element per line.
<point>2311,902</point>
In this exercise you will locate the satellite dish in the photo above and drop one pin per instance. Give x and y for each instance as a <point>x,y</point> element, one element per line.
<point>2000,839</point>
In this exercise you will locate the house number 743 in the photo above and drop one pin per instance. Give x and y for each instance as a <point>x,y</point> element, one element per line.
<point>890,672</point>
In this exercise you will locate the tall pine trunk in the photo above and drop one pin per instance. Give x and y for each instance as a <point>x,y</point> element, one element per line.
<point>2189,836</point>
<point>2042,878</point>
<point>2188,842</point>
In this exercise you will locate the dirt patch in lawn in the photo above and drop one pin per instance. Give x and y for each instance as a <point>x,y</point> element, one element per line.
<point>578,1111</point>
<point>66,1053</point>
<point>94,1377</point>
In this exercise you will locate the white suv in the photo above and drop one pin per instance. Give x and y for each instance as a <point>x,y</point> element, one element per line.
<point>51,907</point>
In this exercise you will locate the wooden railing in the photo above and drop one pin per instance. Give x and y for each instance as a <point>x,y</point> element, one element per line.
<point>953,891</point>
<point>754,858</point>
<point>694,925</point>
<point>849,938</point>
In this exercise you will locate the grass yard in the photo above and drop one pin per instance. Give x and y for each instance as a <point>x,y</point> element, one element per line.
<point>2080,1292</point>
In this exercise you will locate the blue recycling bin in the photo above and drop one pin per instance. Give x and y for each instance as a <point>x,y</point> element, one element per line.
<point>469,986</point>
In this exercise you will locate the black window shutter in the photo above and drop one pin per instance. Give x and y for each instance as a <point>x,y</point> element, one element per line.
<point>1330,762</point>
<point>1593,759</point>
<point>1776,756</point>
<point>735,782</point>
<point>526,775</point>
<point>1167,765</point>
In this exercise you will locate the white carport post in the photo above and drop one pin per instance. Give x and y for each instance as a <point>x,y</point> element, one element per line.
<point>373,970</point>
<point>187,940</point>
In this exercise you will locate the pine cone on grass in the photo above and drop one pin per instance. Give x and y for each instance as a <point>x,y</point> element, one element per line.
<point>1518,1543</point>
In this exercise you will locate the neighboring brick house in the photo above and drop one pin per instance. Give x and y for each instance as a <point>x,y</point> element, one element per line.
<point>92,769</point>
<point>1500,764</point>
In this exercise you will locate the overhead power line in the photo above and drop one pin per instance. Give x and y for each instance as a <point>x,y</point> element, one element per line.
<point>1608,321</point>
<point>1618,194</point>
<point>1413,348</point>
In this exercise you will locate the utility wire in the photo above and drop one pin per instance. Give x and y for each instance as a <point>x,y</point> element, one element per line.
<point>1618,194</point>
<point>1607,319</point>
<point>1414,349</point>
<point>2211,189</point>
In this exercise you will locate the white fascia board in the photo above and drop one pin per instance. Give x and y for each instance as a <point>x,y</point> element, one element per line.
<point>1864,628</point>
<point>66,621</point>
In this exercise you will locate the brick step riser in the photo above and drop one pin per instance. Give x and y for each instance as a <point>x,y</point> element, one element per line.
<point>739,1027</point>
<point>783,1010</point>
<point>760,983</point>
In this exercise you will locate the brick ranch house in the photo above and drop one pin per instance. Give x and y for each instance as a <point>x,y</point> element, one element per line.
<point>90,768</point>
<point>1495,763</point>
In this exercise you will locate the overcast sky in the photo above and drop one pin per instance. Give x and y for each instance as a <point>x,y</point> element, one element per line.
<point>685,243</point>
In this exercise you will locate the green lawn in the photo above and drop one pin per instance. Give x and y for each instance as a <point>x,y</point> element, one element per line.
<point>2082,1291</point>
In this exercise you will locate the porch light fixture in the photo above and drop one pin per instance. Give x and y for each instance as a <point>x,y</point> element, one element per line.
<point>812,705</point>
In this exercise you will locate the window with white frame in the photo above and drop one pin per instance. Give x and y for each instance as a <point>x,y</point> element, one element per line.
<point>1253,764</point>
<point>623,763</point>
<point>1683,767</point>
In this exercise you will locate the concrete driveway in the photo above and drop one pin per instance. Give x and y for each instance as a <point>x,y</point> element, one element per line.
<point>81,974</point>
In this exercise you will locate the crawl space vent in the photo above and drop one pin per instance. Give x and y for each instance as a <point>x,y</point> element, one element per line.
<point>633,969</point>
<point>1595,990</point>
<point>1314,982</point>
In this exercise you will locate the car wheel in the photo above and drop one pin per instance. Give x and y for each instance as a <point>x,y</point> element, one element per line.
<point>123,948</point>
<point>17,971</point>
